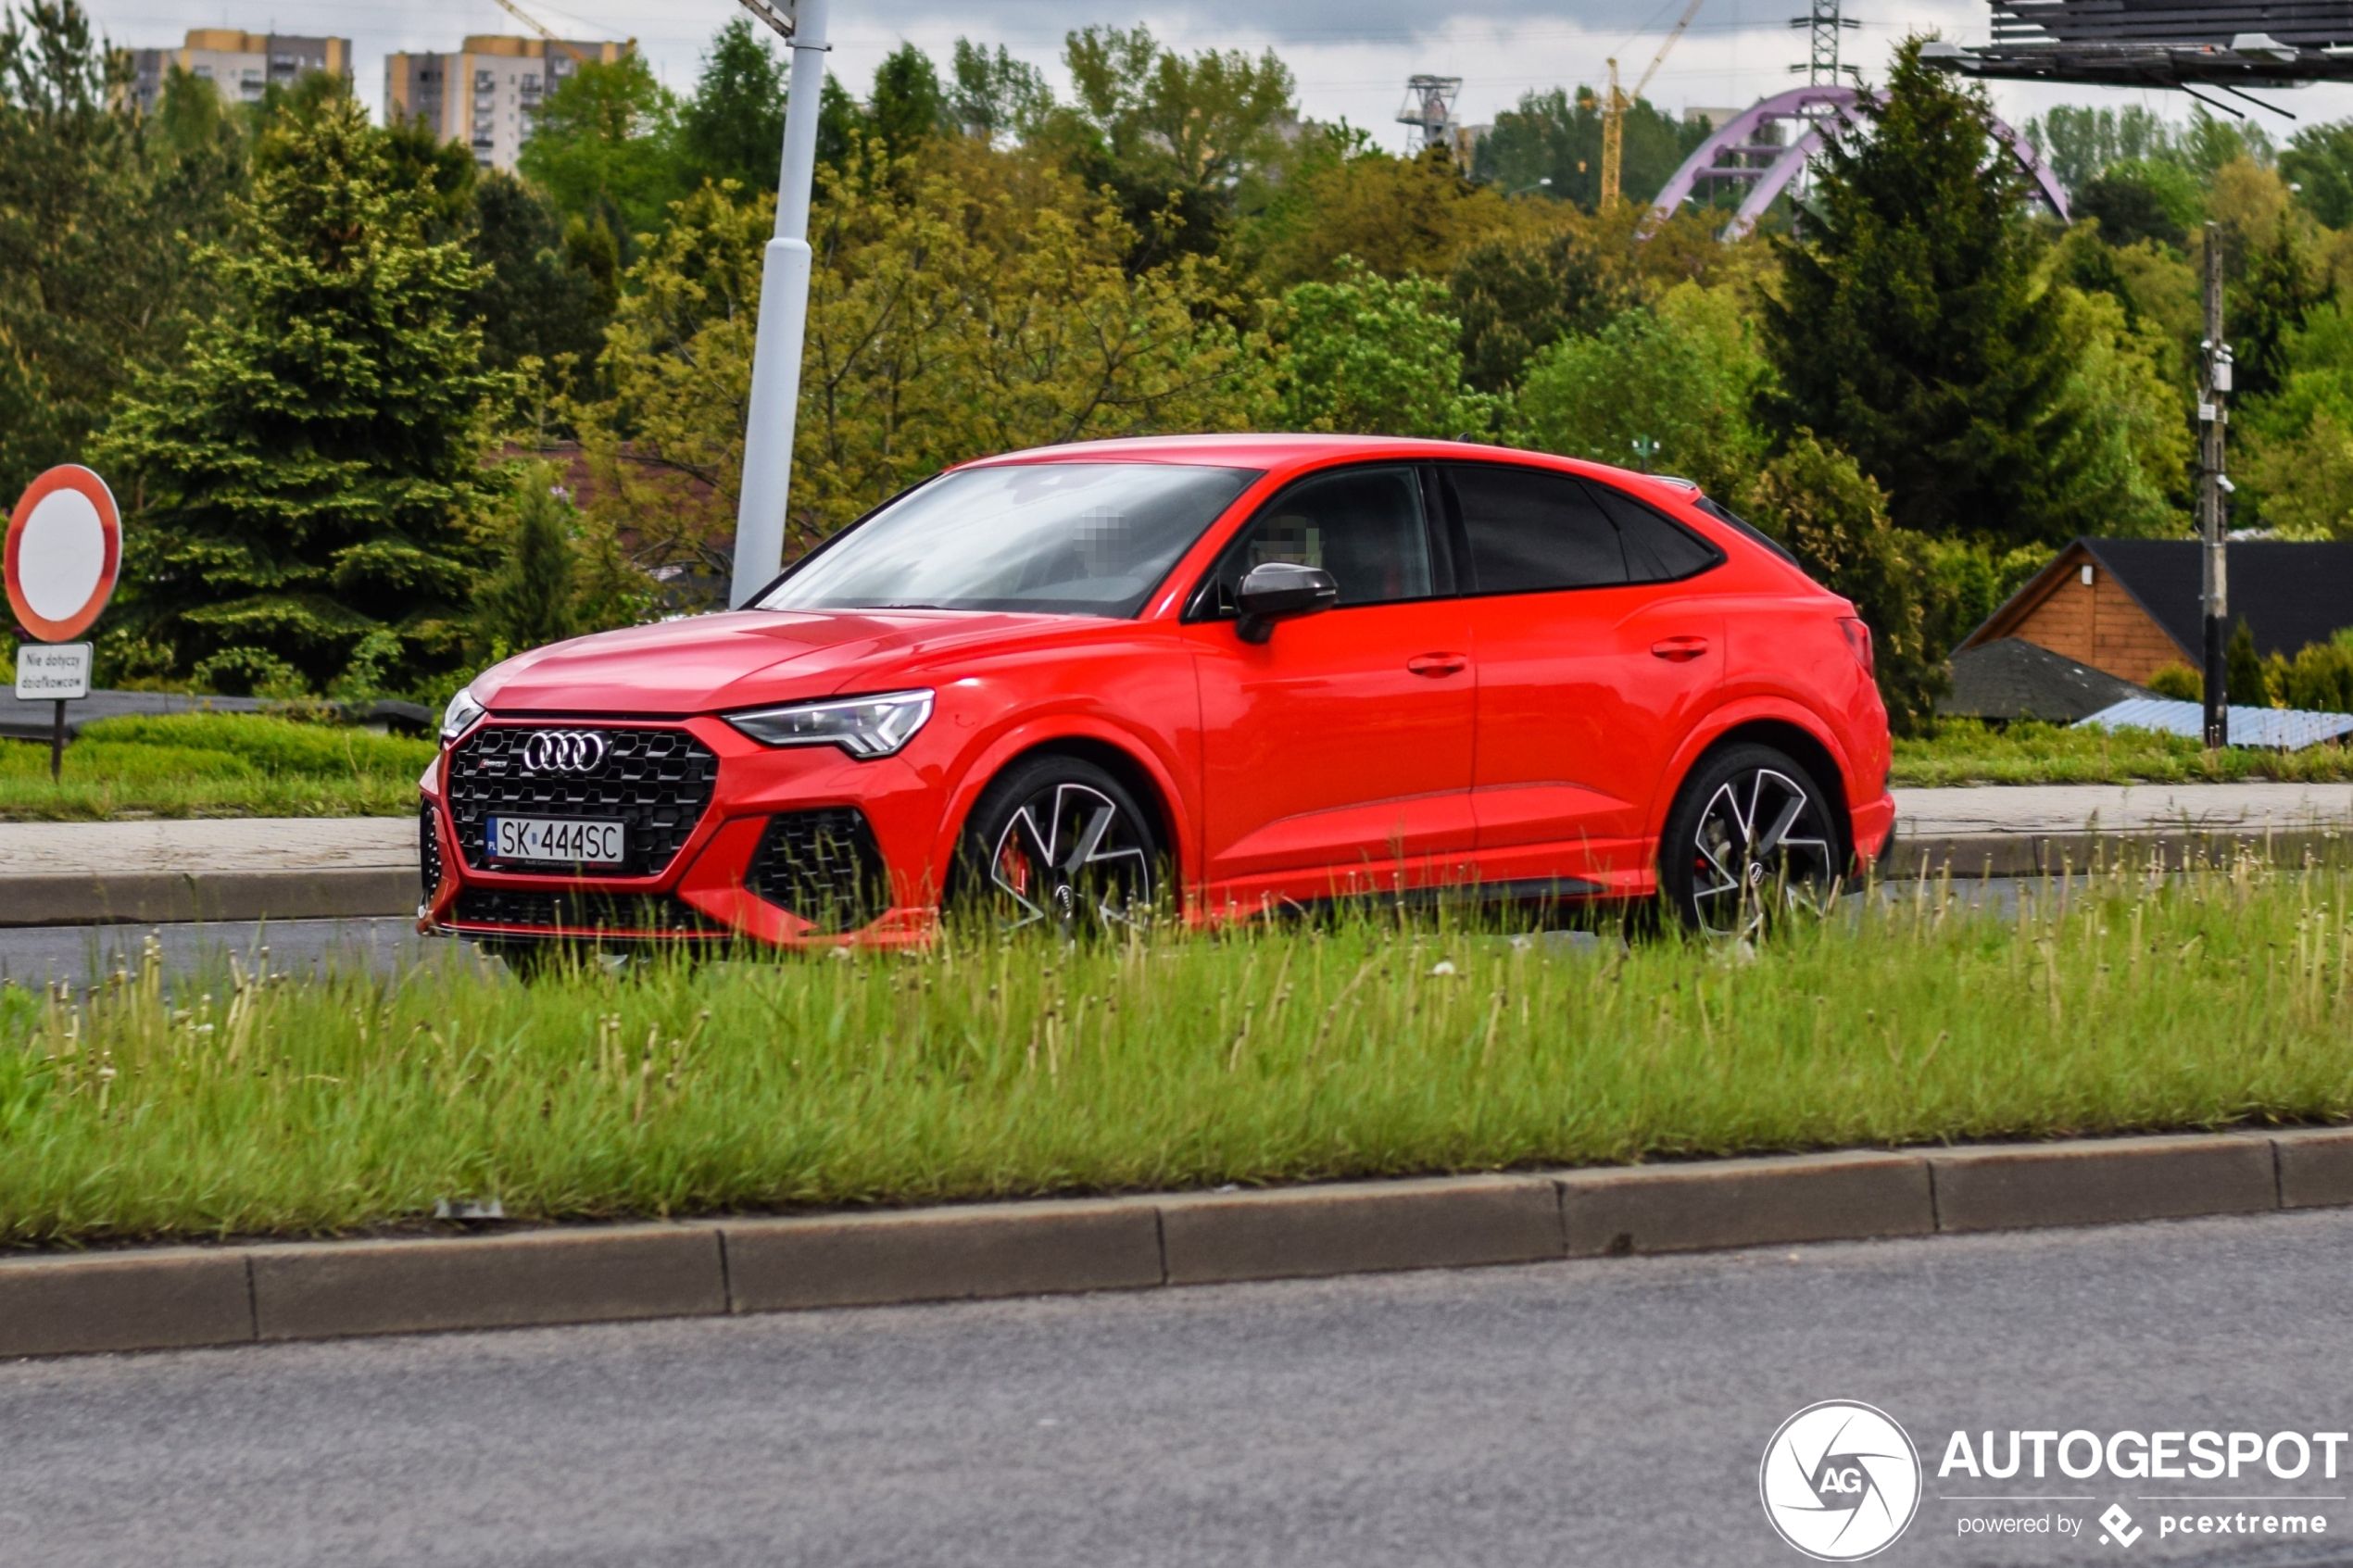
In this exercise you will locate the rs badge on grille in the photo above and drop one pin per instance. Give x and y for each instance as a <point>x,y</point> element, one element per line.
<point>563,751</point>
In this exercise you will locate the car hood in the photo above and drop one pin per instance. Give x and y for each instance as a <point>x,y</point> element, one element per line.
<point>708,662</point>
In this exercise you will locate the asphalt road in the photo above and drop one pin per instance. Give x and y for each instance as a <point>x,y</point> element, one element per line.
<point>1611,1411</point>
<point>85,954</point>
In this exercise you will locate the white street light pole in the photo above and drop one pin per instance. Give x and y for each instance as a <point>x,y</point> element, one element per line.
<point>784,310</point>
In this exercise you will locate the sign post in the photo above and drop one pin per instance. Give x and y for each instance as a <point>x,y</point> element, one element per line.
<point>64,553</point>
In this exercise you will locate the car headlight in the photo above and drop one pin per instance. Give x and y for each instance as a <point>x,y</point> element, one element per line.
<point>459,716</point>
<point>866,727</point>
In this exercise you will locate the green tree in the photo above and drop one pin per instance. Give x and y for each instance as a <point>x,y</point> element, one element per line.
<point>1910,331</point>
<point>1556,138</point>
<point>1176,139</point>
<point>733,126</point>
<point>1365,356</point>
<point>527,603</point>
<point>96,213</point>
<point>995,95</point>
<point>1827,511</point>
<point>1665,390</point>
<point>2081,145</point>
<point>605,148</point>
<point>2242,669</point>
<point>2320,159</point>
<point>533,301</point>
<point>1522,294</point>
<point>306,486</point>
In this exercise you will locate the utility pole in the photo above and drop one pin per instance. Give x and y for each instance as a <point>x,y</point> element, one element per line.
<point>2213,486</point>
<point>784,308</point>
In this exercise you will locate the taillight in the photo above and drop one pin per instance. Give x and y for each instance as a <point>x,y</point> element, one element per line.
<point>1858,643</point>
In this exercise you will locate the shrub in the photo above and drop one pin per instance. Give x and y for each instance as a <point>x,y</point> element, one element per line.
<point>2179,682</point>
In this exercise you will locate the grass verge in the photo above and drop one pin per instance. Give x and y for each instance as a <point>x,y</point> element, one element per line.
<point>214,765</point>
<point>1967,751</point>
<point>275,1107</point>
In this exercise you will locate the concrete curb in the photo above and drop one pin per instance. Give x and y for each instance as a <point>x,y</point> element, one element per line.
<point>178,1297</point>
<point>2049,854</point>
<point>168,898</point>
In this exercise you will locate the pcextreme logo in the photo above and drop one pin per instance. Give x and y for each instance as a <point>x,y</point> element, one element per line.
<point>1841,1481</point>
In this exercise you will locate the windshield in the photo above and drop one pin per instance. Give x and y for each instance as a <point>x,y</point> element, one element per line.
<point>1061,538</point>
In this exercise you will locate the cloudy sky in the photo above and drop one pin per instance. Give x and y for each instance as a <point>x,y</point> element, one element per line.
<point>1350,58</point>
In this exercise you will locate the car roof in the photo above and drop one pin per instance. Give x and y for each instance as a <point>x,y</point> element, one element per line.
<point>1277,453</point>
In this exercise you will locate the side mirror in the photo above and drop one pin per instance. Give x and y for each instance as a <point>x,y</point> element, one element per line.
<point>1280,590</point>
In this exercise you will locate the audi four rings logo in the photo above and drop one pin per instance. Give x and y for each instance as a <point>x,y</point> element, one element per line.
<point>563,751</point>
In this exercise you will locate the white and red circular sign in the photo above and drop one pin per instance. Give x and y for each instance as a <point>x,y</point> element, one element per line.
<point>65,548</point>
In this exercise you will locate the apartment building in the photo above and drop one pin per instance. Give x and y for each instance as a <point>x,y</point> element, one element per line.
<point>488,94</point>
<point>241,66</point>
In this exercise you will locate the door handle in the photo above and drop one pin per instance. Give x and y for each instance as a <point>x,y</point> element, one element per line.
<point>1437,664</point>
<point>1680,650</point>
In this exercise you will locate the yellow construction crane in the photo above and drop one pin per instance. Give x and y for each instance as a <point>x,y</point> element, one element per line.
<point>1613,109</point>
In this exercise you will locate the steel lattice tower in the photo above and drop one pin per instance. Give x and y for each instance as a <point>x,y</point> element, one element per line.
<point>1823,25</point>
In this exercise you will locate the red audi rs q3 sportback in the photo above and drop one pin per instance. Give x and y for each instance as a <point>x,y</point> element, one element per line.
<point>1217,675</point>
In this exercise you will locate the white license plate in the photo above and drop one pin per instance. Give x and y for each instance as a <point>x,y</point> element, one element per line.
<point>571,844</point>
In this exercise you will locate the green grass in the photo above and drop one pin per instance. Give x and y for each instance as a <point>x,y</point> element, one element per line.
<point>1965,751</point>
<point>1268,1055</point>
<point>214,765</point>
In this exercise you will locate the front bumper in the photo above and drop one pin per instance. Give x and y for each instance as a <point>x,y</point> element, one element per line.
<point>797,847</point>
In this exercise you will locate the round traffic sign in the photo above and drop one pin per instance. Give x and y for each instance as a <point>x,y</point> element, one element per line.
<point>65,547</point>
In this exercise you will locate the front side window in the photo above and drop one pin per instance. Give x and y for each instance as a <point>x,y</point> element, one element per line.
<point>1366,526</point>
<point>1050,538</point>
<point>1534,532</point>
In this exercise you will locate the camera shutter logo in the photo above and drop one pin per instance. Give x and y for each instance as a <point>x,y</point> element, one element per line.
<point>564,751</point>
<point>1841,1481</point>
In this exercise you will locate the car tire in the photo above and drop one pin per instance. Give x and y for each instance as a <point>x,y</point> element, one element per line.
<point>1753,839</point>
<point>1057,844</point>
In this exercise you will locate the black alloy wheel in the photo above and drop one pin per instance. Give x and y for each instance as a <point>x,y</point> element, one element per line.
<point>1753,840</point>
<point>1058,845</point>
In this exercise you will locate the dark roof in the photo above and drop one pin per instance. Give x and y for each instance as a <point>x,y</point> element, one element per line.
<point>2288,593</point>
<point>2014,679</point>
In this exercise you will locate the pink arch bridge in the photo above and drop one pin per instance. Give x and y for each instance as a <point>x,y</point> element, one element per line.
<point>1734,153</point>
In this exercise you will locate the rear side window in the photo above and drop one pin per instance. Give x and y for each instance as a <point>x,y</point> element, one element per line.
<point>1531,532</point>
<point>1657,550</point>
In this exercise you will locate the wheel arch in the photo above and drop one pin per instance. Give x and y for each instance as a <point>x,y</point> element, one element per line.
<point>1138,777</point>
<point>1801,745</point>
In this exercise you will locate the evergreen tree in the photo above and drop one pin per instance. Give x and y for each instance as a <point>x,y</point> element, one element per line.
<point>534,300</point>
<point>93,281</point>
<point>1519,295</point>
<point>733,126</point>
<point>1910,332</point>
<point>2243,670</point>
<point>305,486</point>
<point>528,603</point>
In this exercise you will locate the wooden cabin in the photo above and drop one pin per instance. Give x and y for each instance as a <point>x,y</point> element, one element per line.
<point>2130,606</point>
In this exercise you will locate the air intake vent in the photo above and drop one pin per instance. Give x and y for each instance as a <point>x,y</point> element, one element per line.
<point>823,866</point>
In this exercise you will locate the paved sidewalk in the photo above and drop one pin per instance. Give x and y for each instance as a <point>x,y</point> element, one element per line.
<point>2068,808</point>
<point>209,845</point>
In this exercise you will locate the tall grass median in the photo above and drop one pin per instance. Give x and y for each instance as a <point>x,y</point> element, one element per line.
<point>994,1070</point>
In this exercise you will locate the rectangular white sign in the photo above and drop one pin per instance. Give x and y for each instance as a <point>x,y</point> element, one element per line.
<point>51,671</point>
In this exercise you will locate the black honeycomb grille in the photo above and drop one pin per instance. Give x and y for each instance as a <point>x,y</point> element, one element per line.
<point>428,852</point>
<point>657,783</point>
<point>630,914</point>
<point>823,866</point>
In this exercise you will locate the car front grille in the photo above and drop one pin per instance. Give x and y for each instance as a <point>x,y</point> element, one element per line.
<point>623,914</point>
<point>823,866</point>
<point>655,781</point>
<point>428,852</point>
